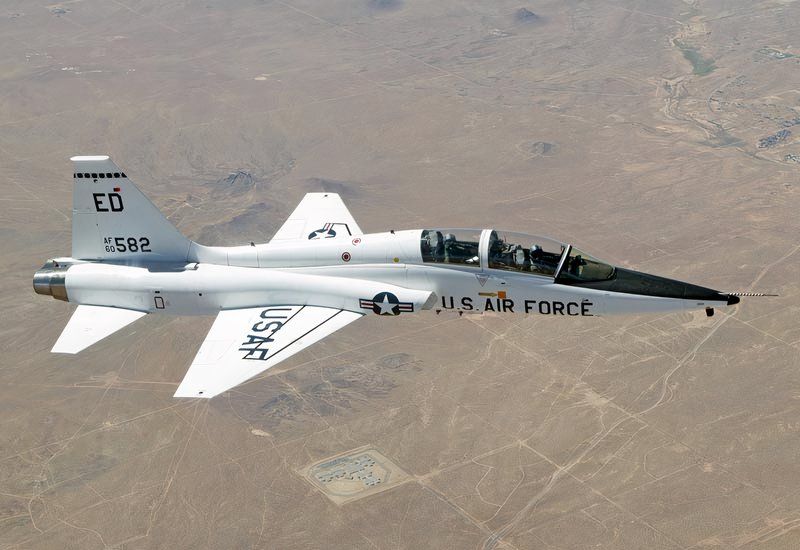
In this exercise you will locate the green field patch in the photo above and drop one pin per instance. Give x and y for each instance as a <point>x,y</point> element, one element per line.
<point>701,66</point>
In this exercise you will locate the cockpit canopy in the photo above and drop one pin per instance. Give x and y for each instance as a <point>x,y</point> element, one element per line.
<point>507,251</point>
<point>580,267</point>
<point>451,246</point>
<point>524,253</point>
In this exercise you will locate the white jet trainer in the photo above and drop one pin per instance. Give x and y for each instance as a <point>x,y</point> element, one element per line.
<point>319,273</point>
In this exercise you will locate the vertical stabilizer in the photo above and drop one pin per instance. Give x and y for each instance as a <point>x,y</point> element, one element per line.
<point>113,220</point>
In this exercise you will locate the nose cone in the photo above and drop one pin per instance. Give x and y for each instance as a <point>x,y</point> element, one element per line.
<point>628,281</point>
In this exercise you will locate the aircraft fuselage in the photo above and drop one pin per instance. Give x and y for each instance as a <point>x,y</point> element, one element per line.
<point>319,273</point>
<point>344,274</point>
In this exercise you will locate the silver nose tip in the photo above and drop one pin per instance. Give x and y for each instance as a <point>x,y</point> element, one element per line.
<point>50,281</point>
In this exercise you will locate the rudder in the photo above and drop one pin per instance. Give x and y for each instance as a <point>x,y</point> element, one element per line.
<point>113,220</point>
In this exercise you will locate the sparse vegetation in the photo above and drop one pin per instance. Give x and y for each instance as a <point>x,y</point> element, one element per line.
<point>524,15</point>
<point>701,65</point>
<point>775,54</point>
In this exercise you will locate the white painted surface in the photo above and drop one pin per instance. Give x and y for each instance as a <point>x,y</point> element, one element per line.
<point>90,324</point>
<point>245,342</point>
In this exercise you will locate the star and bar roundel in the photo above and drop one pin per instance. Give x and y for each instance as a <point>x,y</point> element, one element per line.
<point>386,303</point>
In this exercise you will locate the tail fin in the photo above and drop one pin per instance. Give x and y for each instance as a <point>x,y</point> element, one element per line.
<point>112,219</point>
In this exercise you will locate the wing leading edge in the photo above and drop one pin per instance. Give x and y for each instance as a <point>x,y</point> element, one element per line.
<point>245,342</point>
<point>318,216</point>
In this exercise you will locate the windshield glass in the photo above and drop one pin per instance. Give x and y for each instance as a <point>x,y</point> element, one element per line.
<point>524,253</point>
<point>451,246</point>
<point>582,267</point>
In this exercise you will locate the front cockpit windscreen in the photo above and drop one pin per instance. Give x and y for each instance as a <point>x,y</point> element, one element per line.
<point>582,267</point>
<point>451,246</point>
<point>524,253</point>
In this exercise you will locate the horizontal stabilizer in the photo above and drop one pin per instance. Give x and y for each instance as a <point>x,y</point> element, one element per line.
<point>90,324</point>
<point>245,342</point>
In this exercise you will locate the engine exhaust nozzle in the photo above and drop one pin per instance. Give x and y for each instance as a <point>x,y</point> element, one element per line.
<point>50,280</point>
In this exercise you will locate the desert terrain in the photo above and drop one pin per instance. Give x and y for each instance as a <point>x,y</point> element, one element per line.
<point>657,135</point>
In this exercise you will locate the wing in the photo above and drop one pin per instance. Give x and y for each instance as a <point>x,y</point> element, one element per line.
<point>90,324</point>
<point>245,342</point>
<point>318,216</point>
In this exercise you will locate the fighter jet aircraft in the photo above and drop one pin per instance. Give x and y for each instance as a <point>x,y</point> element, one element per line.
<point>319,273</point>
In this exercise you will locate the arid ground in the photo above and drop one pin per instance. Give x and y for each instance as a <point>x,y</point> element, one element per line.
<point>658,135</point>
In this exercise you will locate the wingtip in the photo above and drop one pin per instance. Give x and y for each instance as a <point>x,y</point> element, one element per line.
<point>57,348</point>
<point>192,394</point>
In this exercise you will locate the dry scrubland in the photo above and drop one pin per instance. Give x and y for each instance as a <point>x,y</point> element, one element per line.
<point>658,135</point>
